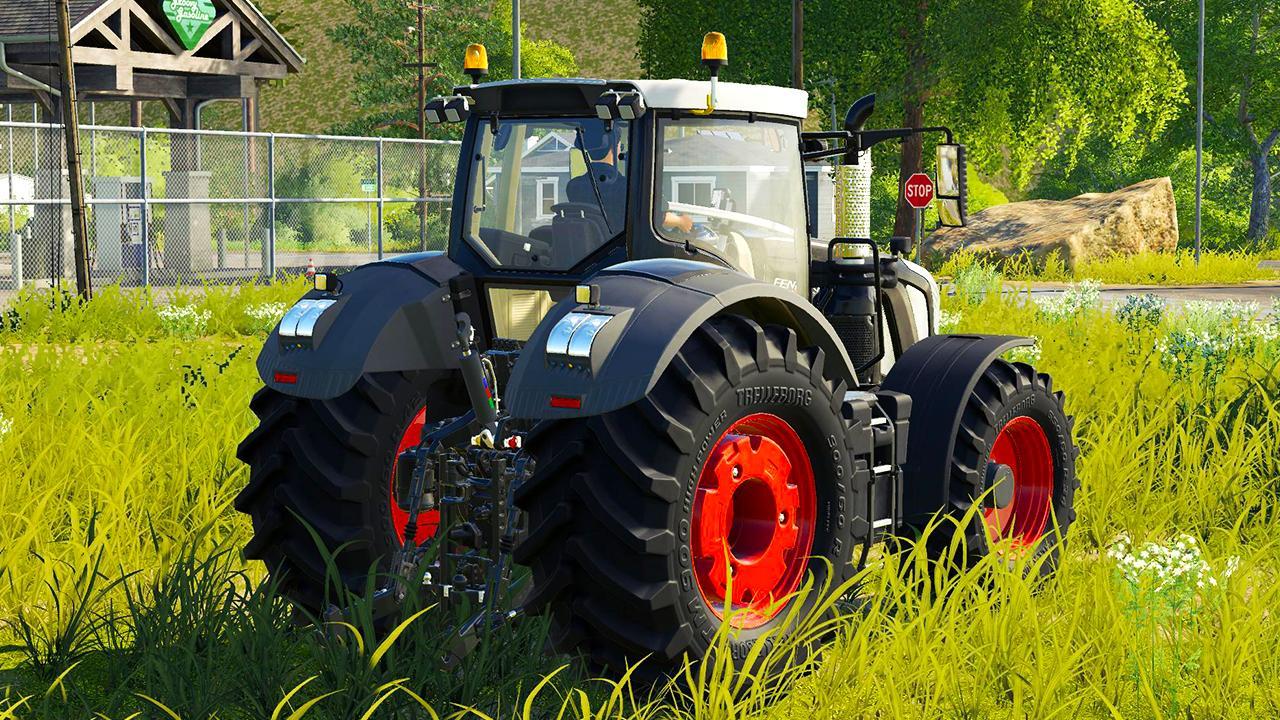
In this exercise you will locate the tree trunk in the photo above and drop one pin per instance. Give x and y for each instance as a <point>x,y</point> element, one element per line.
<point>904,222</point>
<point>1260,207</point>
<point>911,163</point>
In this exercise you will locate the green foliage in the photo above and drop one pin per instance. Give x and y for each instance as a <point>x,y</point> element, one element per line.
<point>135,315</point>
<point>382,42</point>
<point>1141,312</point>
<point>126,458</point>
<point>1180,268</point>
<point>1021,82</point>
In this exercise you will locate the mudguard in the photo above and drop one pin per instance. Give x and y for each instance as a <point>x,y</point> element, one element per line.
<point>938,373</point>
<point>655,306</point>
<point>391,315</point>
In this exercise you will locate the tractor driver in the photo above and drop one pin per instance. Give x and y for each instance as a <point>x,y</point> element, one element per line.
<point>604,148</point>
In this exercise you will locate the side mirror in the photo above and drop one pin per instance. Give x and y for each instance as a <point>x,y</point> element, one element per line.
<point>953,188</point>
<point>859,112</point>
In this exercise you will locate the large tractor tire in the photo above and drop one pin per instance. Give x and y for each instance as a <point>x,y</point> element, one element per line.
<point>1014,429</point>
<point>738,455</point>
<point>329,465</point>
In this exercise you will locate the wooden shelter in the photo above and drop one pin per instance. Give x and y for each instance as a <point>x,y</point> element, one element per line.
<point>138,50</point>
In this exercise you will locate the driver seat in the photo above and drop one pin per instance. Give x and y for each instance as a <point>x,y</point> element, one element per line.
<point>577,230</point>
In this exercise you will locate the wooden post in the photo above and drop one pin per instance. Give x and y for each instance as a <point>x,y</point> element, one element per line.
<point>797,44</point>
<point>71,124</point>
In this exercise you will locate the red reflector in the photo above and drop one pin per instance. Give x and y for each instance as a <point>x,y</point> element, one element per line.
<point>286,378</point>
<point>566,403</point>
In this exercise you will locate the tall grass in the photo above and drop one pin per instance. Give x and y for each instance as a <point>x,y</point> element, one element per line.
<point>123,592</point>
<point>1178,268</point>
<point>135,314</point>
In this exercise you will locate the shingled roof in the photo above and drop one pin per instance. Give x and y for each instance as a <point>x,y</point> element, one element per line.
<point>39,17</point>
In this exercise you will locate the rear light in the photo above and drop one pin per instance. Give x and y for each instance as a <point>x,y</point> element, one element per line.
<point>566,403</point>
<point>285,378</point>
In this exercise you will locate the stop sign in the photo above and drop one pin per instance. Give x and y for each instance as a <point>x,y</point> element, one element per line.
<point>918,190</point>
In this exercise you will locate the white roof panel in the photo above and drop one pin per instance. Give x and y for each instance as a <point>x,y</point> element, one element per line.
<point>692,95</point>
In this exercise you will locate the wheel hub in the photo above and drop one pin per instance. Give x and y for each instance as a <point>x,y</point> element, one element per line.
<point>427,521</point>
<point>1023,448</point>
<point>753,519</point>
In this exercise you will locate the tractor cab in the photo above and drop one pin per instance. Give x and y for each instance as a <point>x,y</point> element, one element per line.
<point>560,178</point>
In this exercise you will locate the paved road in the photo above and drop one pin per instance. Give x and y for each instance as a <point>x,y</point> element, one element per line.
<point>1264,293</point>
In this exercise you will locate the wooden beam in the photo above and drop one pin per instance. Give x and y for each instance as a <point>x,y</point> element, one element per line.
<point>158,33</point>
<point>96,20</point>
<point>218,26</point>
<point>210,88</point>
<point>170,63</point>
<point>249,49</point>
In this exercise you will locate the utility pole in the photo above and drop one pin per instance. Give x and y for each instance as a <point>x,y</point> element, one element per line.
<point>1199,130</point>
<point>515,39</point>
<point>797,44</point>
<point>422,65</point>
<point>71,125</point>
<point>422,125</point>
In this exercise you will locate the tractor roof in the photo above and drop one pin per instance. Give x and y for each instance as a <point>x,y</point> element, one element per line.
<point>577,96</point>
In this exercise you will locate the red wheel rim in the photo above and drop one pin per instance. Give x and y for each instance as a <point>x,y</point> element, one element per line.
<point>753,514</point>
<point>1023,446</point>
<point>427,521</point>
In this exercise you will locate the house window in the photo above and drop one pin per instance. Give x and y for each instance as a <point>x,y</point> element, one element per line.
<point>693,190</point>
<point>548,197</point>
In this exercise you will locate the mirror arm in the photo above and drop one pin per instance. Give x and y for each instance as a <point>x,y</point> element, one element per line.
<point>857,143</point>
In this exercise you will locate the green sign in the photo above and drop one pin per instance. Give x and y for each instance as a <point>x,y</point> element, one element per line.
<point>189,18</point>
<point>369,186</point>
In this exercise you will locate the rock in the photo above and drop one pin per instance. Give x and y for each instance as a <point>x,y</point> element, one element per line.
<point>1139,218</point>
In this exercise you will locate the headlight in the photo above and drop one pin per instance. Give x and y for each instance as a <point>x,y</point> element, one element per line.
<point>580,343</point>
<point>573,335</point>
<point>300,321</point>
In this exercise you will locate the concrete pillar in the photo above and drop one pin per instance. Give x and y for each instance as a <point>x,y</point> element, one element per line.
<point>48,252</point>
<point>188,240</point>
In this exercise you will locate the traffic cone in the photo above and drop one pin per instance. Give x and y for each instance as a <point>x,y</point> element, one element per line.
<point>311,269</point>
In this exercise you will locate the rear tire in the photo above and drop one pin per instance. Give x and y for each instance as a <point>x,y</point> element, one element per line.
<point>1014,418</point>
<point>328,464</point>
<point>618,501</point>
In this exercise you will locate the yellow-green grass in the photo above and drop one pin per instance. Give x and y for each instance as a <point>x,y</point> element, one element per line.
<point>122,451</point>
<point>1179,268</point>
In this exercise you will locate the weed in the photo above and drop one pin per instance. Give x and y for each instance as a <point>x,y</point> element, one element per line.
<point>1141,312</point>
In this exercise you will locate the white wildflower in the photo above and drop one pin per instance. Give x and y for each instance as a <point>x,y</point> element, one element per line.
<point>184,320</point>
<point>1029,354</point>
<point>265,316</point>
<point>1076,300</point>
<point>948,321</point>
<point>6,425</point>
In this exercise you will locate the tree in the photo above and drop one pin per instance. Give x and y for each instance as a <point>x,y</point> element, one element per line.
<point>1022,82</point>
<point>1242,84</point>
<point>383,46</point>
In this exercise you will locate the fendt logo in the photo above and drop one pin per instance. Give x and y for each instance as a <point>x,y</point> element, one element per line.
<point>918,190</point>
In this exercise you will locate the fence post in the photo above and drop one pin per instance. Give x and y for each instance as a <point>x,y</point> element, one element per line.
<point>271,206</point>
<point>380,200</point>
<point>146,219</point>
<point>15,240</point>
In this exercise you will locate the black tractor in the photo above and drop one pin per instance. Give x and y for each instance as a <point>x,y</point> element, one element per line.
<point>637,373</point>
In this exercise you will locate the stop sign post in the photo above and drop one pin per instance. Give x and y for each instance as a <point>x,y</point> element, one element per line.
<point>918,191</point>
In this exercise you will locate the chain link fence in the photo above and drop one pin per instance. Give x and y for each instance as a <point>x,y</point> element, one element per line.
<point>179,207</point>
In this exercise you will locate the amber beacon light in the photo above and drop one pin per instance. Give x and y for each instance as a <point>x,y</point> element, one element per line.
<point>476,62</point>
<point>715,55</point>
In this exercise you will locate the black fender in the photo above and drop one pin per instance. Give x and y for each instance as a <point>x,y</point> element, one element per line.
<point>656,306</point>
<point>938,373</point>
<point>393,315</point>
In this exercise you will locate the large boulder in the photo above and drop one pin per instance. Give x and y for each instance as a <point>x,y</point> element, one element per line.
<point>1139,218</point>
